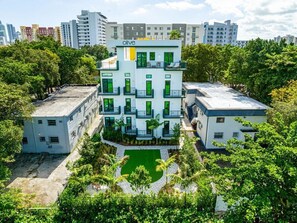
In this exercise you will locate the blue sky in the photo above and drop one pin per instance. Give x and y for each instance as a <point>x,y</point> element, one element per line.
<point>256,18</point>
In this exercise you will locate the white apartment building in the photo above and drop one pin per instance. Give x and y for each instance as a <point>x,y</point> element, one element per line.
<point>144,80</point>
<point>214,107</point>
<point>220,33</point>
<point>191,34</point>
<point>91,28</point>
<point>61,120</point>
<point>289,39</point>
<point>69,34</point>
<point>241,43</point>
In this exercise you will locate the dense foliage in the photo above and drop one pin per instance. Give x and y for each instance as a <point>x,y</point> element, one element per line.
<point>256,69</point>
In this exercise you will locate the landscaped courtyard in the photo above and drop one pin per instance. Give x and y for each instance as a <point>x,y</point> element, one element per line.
<point>147,158</point>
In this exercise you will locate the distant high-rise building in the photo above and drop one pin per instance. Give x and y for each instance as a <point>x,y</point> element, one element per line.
<point>69,34</point>
<point>91,28</point>
<point>3,38</point>
<point>191,34</point>
<point>241,43</point>
<point>220,33</point>
<point>289,39</point>
<point>12,35</point>
<point>32,33</point>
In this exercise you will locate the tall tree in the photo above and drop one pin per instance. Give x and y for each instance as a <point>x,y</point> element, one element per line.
<point>163,165</point>
<point>260,178</point>
<point>99,52</point>
<point>174,34</point>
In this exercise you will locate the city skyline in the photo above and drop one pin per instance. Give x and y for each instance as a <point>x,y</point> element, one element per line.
<point>263,18</point>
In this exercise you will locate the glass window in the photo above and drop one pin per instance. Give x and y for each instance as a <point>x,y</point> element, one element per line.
<point>128,104</point>
<point>168,57</point>
<point>148,107</point>
<point>39,121</point>
<point>42,139</point>
<point>148,87</point>
<point>51,122</point>
<point>127,85</point>
<point>54,139</point>
<point>220,119</point>
<point>218,135</point>
<point>141,59</point>
<point>235,134</point>
<point>166,107</point>
<point>166,127</point>
<point>108,104</point>
<point>109,121</point>
<point>128,123</point>
<point>25,140</point>
<point>107,85</point>
<point>167,87</point>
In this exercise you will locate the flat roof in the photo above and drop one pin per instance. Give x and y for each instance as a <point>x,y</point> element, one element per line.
<point>63,102</point>
<point>220,97</point>
<point>144,43</point>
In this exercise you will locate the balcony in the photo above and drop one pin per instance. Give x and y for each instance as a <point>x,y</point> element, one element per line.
<point>131,92</point>
<point>115,91</point>
<point>110,111</point>
<point>144,134</point>
<point>150,64</point>
<point>167,133</point>
<point>144,114</point>
<point>174,94</point>
<point>130,130</point>
<point>129,110</point>
<point>175,66</point>
<point>111,63</point>
<point>172,114</point>
<point>144,94</point>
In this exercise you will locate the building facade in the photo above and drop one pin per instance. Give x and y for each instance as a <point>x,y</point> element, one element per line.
<point>69,34</point>
<point>91,28</point>
<point>143,81</point>
<point>12,34</point>
<point>32,33</point>
<point>241,43</point>
<point>3,37</point>
<point>213,109</point>
<point>191,34</point>
<point>220,33</point>
<point>288,39</point>
<point>61,120</point>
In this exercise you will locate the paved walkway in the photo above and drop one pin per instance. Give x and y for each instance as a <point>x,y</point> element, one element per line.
<point>156,186</point>
<point>48,187</point>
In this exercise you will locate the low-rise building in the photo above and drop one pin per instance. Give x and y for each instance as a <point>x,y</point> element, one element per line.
<point>213,109</point>
<point>61,120</point>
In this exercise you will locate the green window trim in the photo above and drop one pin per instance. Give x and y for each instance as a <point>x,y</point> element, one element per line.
<point>167,87</point>
<point>128,85</point>
<point>166,107</point>
<point>107,85</point>
<point>128,104</point>
<point>152,56</point>
<point>108,104</point>
<point>148,108</point>
<point>141,59</point>
<point>168,57</point>
<point>148,87</point>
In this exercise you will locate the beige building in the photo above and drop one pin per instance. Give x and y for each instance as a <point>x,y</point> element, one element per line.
<point>32,33</point>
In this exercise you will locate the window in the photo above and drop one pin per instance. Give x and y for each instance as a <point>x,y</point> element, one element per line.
<point>148,108</point>
<point>54,139</point>
<point>168,57</point>
<point>108,104</point>
<point>235,134</point>
<point>141,59</point>
<point>148,34</point>
<point>220,119</point>
<point>73,134</point>
<point>51,122</point>
<point>166,107</point>
<point>218,135</point>
<point>148,87</point>
<point>107,85</point>
<point>148,28</point>
<point>152,55</point>
<point>42,139</point>
<point>39,121</point>
<point>127,85</point>
<point>128,123</point>
<point>167,87</point>
<point>25,140</point>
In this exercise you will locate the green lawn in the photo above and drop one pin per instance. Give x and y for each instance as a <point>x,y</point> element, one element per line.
<point>146,158</point>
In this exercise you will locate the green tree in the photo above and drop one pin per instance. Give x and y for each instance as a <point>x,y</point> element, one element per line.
<point>140,179</point>
<point>119,124</point>
<point>163,165</point>
<point>176,133</point>
<point>99,52</point>
<point>154,123</point>
<point>260,178</point>
<point>174,34</point>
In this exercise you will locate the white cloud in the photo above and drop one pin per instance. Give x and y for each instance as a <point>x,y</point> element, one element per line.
<point>179,5</point>
<point>261,18</point>
<point>140,11</point>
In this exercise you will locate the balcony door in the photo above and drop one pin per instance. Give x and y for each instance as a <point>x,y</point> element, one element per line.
<point>141,59</point>
<point>166,107</point>
<point>128,104</point>
<point>108,104</point>
<point>167,87</point>
<point>148,87</point>
<point>107,85</point>
<point>148,109</point>
<point>128,85</point>
<point>128,123</point>
<point>166,127</point>
<point>168,57</point>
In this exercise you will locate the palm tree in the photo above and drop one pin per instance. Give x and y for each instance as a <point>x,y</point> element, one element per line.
<point>163,165</point>
<point>110,180</point>
<point>154,123</point>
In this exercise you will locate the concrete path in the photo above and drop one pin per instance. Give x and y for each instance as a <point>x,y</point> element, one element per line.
<point>156,186</point>
<point>47,182</point>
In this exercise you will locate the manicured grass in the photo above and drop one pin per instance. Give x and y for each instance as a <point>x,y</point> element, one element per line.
<point>146,158</point>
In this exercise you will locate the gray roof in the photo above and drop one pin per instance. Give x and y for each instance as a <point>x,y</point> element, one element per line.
<point>63,102</point>
<point>220,97</point>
